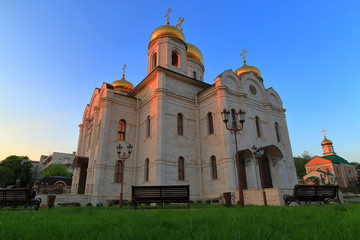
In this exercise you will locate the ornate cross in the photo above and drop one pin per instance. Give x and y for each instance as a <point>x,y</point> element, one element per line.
<point>167,16</point>
<point>179,23</point>
<point>324,132</point>
<point>243,52</point>
<point>124,70</point>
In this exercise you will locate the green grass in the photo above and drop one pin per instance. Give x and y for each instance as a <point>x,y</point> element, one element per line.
<point>199,222</point>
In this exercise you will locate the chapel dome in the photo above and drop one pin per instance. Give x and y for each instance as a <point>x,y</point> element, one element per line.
<point>326,142</point>
<point>122,84</point>
<point>194,52</point>
<point>167,31</point>
<point>246,69</point>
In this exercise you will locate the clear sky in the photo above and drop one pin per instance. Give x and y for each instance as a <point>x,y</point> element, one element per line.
<point>53,54</point>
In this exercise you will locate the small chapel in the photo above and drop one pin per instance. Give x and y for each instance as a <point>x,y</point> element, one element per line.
<point>172,118</point>
<point>330,168</point>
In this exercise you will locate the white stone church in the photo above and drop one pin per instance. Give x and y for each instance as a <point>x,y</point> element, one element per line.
<point>173,120</point>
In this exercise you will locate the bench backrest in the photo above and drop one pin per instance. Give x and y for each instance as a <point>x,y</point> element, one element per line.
<point>329,191</point>
<point>14,195</point>
<point>161,193</point>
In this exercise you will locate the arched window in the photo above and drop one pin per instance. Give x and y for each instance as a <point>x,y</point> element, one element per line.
<point>210,123</point>
<point>118,171</point>
<point>121,130</point>
<point>233,117</point>
<point>180,124</point>
<point>181,168</point>
<point>277,131</point>
<point>154,60</point>
<point>175,58</point>
<point>257,123</point>
<point>148,126</point>
<point>146,170</point>
<point>194,74</point>
<point>214,174</point>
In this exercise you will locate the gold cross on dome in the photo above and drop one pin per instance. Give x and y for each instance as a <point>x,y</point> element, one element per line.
<point>242,54</point>
<point>124,70</point>
<point>167,16</point>
<point>179,23</point>
<point>323,131</point>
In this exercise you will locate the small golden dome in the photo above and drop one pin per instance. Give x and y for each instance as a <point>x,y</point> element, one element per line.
<point>194,52</point>
<point>167,31</point>
<point>246,69</point>
<point>122,84</point>
<point>326,142</point>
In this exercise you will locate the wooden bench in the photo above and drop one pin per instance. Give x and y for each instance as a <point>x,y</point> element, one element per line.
<point>13,197</point>
<point>313,193</point>
<point>160,194</point>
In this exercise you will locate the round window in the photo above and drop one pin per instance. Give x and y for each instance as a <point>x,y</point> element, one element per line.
<point>252,89</point>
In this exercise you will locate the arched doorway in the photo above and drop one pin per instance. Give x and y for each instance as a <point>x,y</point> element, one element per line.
<point>243,155</point>
<point>265,172</point>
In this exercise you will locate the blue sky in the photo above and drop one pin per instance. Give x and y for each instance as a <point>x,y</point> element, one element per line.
<point>54,53</point>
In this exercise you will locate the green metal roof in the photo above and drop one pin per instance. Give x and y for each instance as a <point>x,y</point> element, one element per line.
<point>335,159</point>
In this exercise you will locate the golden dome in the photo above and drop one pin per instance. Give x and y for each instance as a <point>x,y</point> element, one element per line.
<point>122,84</point>
<point>194,52</point>
<point>167,31</point>
<point>326,142</point>
<point>246,69</point>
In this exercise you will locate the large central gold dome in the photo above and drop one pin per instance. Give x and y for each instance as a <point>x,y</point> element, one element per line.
<point>167,31</point>
<point>194,52</point>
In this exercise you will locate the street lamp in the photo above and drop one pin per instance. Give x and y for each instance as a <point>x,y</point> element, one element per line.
<point>235,129</point>
<point>122,158</point>
<point>258,154</point>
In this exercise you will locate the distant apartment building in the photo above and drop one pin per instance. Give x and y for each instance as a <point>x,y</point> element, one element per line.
<point>54,158</point>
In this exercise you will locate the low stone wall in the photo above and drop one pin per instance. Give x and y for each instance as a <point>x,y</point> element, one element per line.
<point>65,198</point>
<point>274,196</point>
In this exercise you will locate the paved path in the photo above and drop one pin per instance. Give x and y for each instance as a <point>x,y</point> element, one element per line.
<point>354,199</point>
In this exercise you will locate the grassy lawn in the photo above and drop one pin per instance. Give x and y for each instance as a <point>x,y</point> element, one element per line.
<point>199,222</point>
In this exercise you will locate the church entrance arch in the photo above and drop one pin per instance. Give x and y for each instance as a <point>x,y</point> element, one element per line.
<point>271,152</point>
<point>265,172</point>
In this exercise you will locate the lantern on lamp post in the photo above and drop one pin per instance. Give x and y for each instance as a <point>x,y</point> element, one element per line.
<point>258,153</point>
<point>122,157</point>
<point>235,129</point>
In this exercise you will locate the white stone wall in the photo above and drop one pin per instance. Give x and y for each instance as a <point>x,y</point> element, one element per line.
<point>162,95</point>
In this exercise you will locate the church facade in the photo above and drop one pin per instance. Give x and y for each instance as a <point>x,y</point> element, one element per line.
<point>173,120</point>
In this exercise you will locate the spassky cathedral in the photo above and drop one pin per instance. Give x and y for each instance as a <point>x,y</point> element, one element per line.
<point>172,118</point>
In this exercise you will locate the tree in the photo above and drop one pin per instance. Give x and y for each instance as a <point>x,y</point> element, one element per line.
<point>15,168</point>
<point>56,170</point>
<point>300,162</point>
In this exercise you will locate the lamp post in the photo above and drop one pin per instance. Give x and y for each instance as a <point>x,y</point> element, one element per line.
<point>235,129</point>
<point>258,154</point>
<point>122,158</point>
